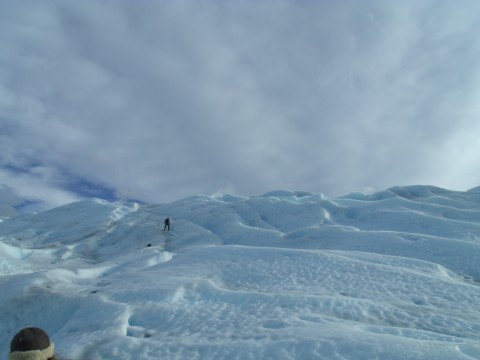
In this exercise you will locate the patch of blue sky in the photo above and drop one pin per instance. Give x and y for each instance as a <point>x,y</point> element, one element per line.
<point>30,206</point>
<point>87,189</point>
<point>22,167</point>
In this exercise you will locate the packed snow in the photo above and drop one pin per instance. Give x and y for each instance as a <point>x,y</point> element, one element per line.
<point>285,275</point>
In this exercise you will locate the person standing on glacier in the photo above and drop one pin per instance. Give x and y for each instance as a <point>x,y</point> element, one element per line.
<point>166,224</point>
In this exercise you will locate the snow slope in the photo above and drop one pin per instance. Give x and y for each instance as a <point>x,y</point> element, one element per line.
<point>285,275</point>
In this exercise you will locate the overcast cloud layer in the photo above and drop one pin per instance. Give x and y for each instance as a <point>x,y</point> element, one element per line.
<point>158,100</point>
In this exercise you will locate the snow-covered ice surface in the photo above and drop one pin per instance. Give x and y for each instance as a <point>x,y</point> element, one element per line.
<point>285,275</point>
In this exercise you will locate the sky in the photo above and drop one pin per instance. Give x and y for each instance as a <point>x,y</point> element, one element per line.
<point>154,101</point>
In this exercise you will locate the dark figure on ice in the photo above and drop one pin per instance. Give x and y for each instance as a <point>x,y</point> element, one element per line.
<point>167,224</point>
<point>31,343</point>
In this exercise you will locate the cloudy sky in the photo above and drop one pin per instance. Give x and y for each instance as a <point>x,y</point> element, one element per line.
<point>156,100</point>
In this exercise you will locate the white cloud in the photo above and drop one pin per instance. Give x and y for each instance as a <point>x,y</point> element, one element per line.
<point>228,189</point>
<point>40,186</point>
<point>8,200</point>
<point>160,100</point>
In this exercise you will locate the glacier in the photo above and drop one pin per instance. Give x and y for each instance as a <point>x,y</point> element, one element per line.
<point>283,275</point>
